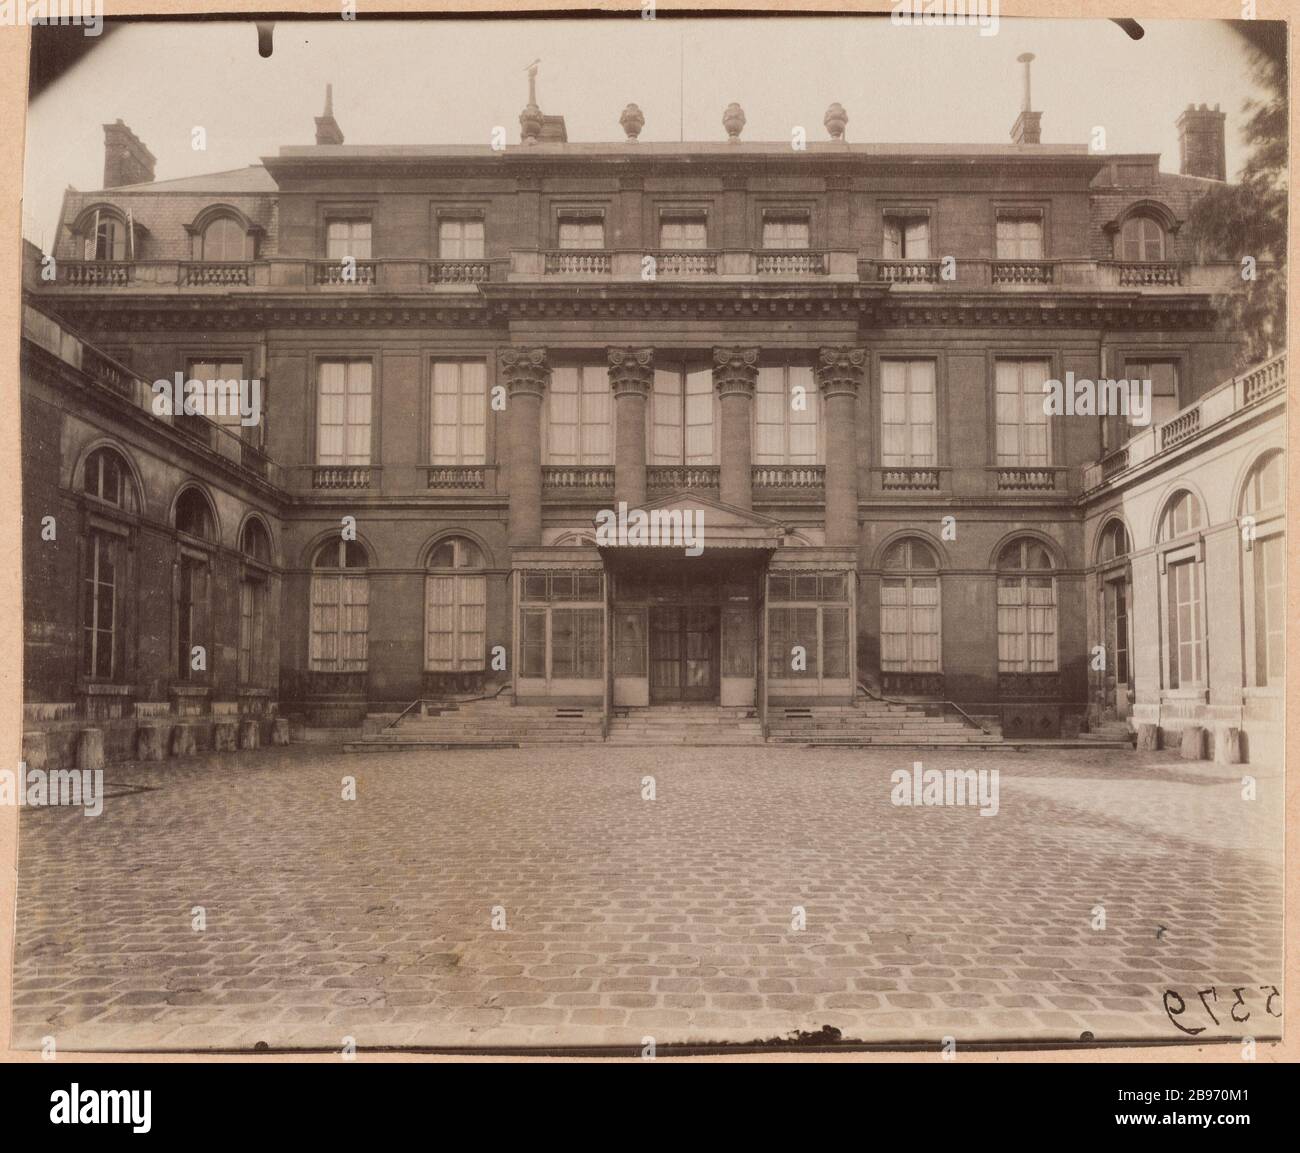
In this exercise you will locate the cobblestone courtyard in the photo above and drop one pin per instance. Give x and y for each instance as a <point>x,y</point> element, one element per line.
<point>625,917</point>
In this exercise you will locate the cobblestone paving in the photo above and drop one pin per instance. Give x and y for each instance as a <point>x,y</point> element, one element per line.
<point>626,918</point>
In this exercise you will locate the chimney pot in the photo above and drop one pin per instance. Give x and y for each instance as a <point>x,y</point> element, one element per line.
<point>1201,150</point>
<point>327,128</point>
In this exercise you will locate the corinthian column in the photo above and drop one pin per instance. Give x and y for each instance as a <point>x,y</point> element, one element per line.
<point>631,376</point>
<point>735,375</point>
<point>525,374</point>
<point>840,372</point>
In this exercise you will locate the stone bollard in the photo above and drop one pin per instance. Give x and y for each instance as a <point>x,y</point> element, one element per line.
<point>36,751</point>
<point>151,742</point>
<point>1193,746</point>
<point>1148,737</point>
<point>183,744</point>
<point>1227,746</point>
<point>248,734</point>
<point>280,731</point>
<point>225,736</point>
<point>90,749</point>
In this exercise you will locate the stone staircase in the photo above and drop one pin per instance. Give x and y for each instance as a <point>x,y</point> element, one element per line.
<point>685,724</point>
<point>1109,733</point>
<point>490,724</point>
<point>874,722</point>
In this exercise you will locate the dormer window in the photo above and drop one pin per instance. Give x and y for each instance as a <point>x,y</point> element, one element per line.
<point>105,235</point>
<point>224,239</point>
<point>1141,238</point>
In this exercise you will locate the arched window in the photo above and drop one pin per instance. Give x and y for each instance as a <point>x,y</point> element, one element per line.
<point>1182,515</point>
<point>194,515</point>
<point>224,239</point>
<point>1264,539</point>
<point>455,607</point>
<point>1183,584</point>
<point>254,587</point>
<point>340,608</point>
<point>1026,608</point>
<point>1141,238</point>
<point>107,477</point>
<point>909,609</point>
<point>1114,542</point>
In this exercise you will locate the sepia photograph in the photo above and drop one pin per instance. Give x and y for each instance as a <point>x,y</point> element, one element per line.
<point>686,534</point>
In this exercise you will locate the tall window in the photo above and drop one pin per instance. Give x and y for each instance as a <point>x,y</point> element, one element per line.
<point>1026,609</point>
<point>343,412</point>
<point>340,608</point>
<point>193,519</point>
<point>1163,375</point>
<point>1140,238</point>
<point>678,232</point>
<point>229,373</point>
<point>909,609</point>
<point>1184,624</point>
<point>907,413</point>
<point>1020,236</point>
<point>786,231</point>
<point>808,626</point>
<point>224,239</point>
<point>1264,501</point>
<point>786,415</point>
<point>455,608</point>
<point>460,239</point>
<point>256,549</point>
<point>99,616</point>
<point>578,416</point>
<point>907,237</point>
<point>582,232</point>
<point>1116,591</point>
<point>562,624</point>
<point>681,417</point>
<point>347,237</point>
<point>1022,428</point>
<point>459,412</point>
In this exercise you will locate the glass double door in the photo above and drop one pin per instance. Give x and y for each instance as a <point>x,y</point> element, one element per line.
<point>684,653</point>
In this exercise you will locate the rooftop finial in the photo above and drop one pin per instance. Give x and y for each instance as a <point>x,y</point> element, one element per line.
<point>532,82</point>
<point>1026,58</point>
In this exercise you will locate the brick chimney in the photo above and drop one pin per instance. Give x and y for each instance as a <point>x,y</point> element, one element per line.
<point>126,160</point>
<point>1028,126</point>
<point>327,128</point>
<point>1200,143</point>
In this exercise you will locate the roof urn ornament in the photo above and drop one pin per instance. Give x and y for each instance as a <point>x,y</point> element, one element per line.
<point>733,120</point>
<point>835,120</point>
<point>632,121</point>
<point>530,119</point>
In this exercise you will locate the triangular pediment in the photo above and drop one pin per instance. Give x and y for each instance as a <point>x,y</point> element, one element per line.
<point>722,524</point>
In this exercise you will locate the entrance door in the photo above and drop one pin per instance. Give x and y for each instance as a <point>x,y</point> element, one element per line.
<point>684,653</point>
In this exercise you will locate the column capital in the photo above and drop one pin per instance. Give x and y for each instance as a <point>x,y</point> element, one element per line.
<point>841,370</point>
<point>631,371</point>
<point>524,370</point>
<point>735,371</point>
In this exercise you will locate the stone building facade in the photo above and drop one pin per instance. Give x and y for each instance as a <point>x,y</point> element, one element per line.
<point>831,358</point>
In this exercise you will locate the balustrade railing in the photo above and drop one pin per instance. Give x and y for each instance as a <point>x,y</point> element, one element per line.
<point>1022,272</point>
<point>344,273</point>
<point>682,477</point>
<point>340,476</point>
<point>459,271</point>
<point>909,479</point>
<point>1026,479</point>
<point>589,262</point>
<point>578,477</point>
<point>796,262</point>
<point>219,275</point>
<point>802,476</point>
